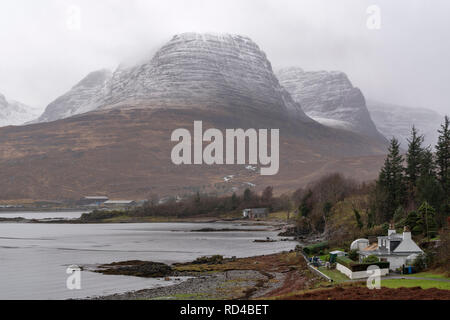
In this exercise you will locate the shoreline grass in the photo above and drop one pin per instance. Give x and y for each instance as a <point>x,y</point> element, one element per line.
<point>410,283</point>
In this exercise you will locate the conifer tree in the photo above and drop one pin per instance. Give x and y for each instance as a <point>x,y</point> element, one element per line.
<point>443,163</point>
<point>428,187</point>
<point>234,201</point>
<point>392,181</point>
<point>426,223</point>
<point>411,222</point>
<point>413,159</point>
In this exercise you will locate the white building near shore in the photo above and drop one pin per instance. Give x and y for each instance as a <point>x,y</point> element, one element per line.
<point>397,248</point>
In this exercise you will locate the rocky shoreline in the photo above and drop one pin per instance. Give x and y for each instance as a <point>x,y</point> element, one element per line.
<point>222,285</point>
<point>218,278</point>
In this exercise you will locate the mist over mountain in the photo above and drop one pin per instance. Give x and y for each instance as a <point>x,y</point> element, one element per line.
<point>397,121</point>
<point>83,97</point>
<point>329,98</point>
<point>113,131</point>
<point>191,70</point>
<point>15,113</point>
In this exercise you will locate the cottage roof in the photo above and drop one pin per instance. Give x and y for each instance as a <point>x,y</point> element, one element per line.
<point>372,247</point>
<point>393,237</point>
<point>119,201</point>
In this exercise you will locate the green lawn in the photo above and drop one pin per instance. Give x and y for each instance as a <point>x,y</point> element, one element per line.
<point>429,275</point>
<point>280,215</point>
<point>408,283</point>
<point>334,274</point>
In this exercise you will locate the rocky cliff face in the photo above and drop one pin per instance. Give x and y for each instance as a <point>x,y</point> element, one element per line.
<point>191,70</point>
<point>86,96</point>
<point>397,121</point>
<point>15,113</point>
<point>329,98</point>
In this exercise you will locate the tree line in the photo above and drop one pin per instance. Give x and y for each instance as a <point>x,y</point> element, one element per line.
<point>414,189</point>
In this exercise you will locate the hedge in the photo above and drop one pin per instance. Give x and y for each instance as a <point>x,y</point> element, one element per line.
<point>345,261</point>
<point>356,266</point>
<point>364,266</point>
<point>315,248</point>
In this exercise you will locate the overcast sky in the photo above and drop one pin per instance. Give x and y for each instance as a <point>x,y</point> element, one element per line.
<point>43,53</point>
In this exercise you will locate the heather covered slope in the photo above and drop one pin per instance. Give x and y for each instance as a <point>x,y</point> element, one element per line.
<point>125,153</point>
<point>113,133</point>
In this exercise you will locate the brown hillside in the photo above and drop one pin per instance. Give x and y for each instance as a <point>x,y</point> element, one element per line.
<point>126,154</point>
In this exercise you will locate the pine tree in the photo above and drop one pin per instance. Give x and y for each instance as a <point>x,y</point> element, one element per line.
<point>426,222</point>
<point>428,187</point>
<point>247,195</point>
<point>413,159</point>
<point>391,179</point>
<point>411,222</point>
<point>427,164</point>
<point>443,161</point>
<point>305,206</point>
<point>358,218</point>
<point>267,195</point>
<point>370,219</point>
<point>399,215</point>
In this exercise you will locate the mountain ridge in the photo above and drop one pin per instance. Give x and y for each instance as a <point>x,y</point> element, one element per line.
<point>191,70</point>
<point>396,121</point>
<point>15,113</point>
<point>330,98</point>
<point>122,145</point>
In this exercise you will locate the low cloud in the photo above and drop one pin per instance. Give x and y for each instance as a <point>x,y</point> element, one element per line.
<point>405,62</point>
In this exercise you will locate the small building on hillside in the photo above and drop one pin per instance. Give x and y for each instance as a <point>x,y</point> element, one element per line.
<point>93,200</point>
<point>338,253</point>
<point>118,204</point>
<point>255,213</point>
<point>397,248</point>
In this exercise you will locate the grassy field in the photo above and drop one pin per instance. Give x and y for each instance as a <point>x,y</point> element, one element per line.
<point>434,275</point>
<point>280,215</point>
<point>335,275</point>
<point>409,283</point>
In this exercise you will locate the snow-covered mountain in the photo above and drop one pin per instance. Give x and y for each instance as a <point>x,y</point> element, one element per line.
<point>397,121</point>
<point>329,98</point>
<point>191,70</point>
<point>15,113</point>
<point>86,96</point>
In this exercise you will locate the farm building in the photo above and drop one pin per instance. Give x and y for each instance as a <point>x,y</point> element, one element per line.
<point>255,213</point>
<point>119,203</point>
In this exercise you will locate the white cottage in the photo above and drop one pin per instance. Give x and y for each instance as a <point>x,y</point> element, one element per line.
<point>255,213</point>
<point>395,247</point>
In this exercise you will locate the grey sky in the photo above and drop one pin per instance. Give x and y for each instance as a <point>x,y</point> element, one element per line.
<point>405,62</point>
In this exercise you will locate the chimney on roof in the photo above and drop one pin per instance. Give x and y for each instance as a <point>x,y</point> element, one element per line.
<point>391,229</point>
<point>406,233</point>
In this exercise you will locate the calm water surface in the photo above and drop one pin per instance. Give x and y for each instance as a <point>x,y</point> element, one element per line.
<point>34,257</point>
